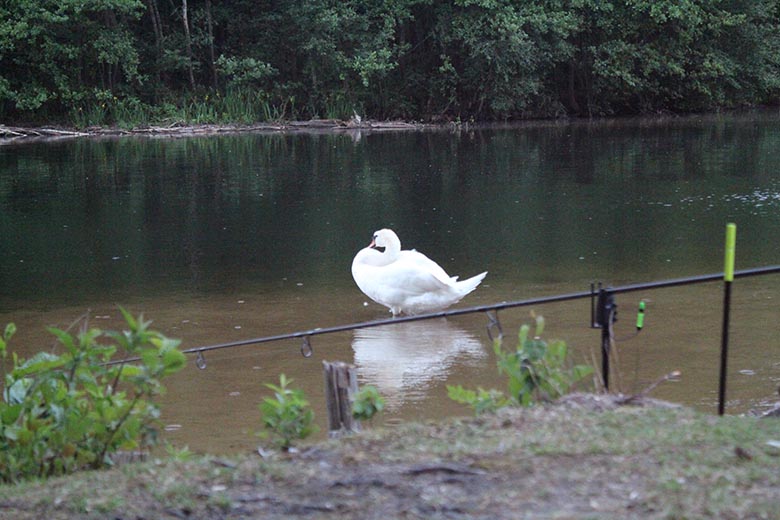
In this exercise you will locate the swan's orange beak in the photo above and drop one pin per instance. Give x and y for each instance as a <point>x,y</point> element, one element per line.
<point>372,244</point>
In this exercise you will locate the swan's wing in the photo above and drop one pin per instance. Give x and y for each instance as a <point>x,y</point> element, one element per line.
<point>412,278</point>
<point>425,265</point>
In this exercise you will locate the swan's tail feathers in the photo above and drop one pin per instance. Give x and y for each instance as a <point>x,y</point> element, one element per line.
<point>468,285</point>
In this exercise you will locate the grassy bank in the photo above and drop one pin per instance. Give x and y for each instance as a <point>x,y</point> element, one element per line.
<point>586,458</point>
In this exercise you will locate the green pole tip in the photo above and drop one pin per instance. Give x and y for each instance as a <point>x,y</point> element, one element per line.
<point>730,253</point>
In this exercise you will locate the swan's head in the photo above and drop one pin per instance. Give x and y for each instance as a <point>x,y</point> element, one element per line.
<point>386,239</point>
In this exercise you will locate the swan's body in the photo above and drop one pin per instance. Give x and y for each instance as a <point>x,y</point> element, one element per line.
<point>406,281</point>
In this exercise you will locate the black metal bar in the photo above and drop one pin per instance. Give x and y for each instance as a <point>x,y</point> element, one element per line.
<point>480,308</point>
<point>605,340</point>
<point>486,308</point>
<point>606,315</point>
<point>390,321</point>
<point>724,348</point>
<point>675,282</point>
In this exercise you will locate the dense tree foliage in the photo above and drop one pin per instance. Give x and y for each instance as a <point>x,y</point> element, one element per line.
<point>119,61</point>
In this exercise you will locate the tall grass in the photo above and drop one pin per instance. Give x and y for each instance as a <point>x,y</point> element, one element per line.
<point>338,107</point>
<point>236,106</point>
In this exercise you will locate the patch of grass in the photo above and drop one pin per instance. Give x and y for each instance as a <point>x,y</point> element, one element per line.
<point>221,501</point>
<point>176,493</point>
<point>107,504</point>
<point>564,461</point>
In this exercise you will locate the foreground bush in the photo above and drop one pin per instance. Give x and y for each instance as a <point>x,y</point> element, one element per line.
<point>65,412</point>
<point>536,370</point>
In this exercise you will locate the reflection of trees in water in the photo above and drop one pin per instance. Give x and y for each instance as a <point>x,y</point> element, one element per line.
<point>219,213</point>
<point>403,360</point>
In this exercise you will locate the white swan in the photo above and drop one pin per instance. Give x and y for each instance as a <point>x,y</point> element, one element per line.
<point>406,281</point>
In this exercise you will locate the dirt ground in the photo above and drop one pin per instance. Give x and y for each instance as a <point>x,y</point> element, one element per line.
<point>584,458</point>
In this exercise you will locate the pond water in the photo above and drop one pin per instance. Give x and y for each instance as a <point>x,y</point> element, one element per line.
<point>231,237</point>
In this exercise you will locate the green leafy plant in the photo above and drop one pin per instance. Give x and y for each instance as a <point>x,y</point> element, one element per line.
<point>180,454</point>
<point>367,403</point>
<point>70,411</point>
<point>481,400</point>
<point>536,370</point>
<point>287,416</point>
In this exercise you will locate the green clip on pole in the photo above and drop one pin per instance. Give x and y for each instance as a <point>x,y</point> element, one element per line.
<point>640,316</point>
<point>728,277</point>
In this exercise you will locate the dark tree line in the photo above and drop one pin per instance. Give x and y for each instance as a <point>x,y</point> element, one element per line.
<point>108,60</point>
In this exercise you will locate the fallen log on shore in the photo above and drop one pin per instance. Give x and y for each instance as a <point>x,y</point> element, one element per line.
<point>15,132</point>
<point>179,128</point>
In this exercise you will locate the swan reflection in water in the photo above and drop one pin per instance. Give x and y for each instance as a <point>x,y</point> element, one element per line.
<point>402,360</point>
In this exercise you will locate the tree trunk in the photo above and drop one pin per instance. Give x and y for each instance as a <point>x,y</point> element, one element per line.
<point>188,43</point>
<point>573,105</point>
<point>154,12</point>
<point>156,25</point>
<point>211,45</point>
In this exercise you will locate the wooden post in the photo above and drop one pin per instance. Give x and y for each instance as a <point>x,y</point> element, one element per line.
<point>340,386</point>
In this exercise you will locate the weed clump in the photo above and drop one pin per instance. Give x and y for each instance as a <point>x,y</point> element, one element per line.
<point>287,416</point>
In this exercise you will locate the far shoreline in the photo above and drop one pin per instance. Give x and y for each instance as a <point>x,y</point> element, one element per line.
<point>49,132</point>
<point>19,134</point>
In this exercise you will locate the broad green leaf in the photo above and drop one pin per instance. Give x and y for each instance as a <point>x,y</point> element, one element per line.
<point>10,413</point>
<point>41,362</point>
<point>128,318</point>
<point>17,391</point>
<point>64,338</point>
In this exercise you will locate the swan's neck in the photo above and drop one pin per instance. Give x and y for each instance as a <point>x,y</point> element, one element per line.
<point>369,256</point>
<point>392,248</point>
